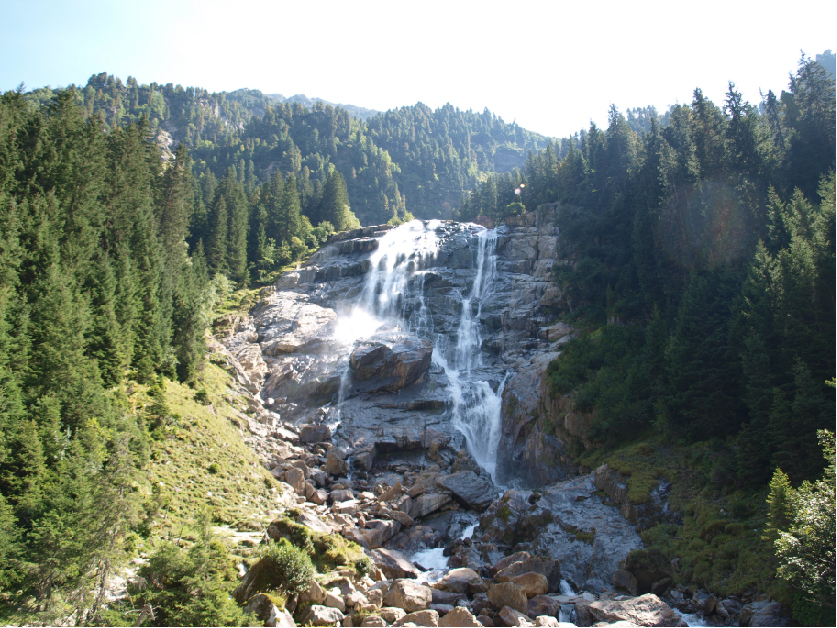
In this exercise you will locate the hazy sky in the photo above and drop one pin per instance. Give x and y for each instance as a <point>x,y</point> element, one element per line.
<point>552,66</point>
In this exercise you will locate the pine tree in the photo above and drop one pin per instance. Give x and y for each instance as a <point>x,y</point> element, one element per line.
<point>104,345</point>
<point>754,442</point>
<point>288,219</point>
<point>217,253</point>
<point>335,204</point>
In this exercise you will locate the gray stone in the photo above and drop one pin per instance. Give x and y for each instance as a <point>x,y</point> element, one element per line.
<point>531,583</point>
<point>393,563</point>
<point>313,522</point>
<point>542,605</point>
<point>458,581</point>
<point>262,607</point>
<point>408,595</point>
<point>625,581</point>
<point>376,367</point>
<point>427,617</point>
<point>315,594</point>
<point>336,462</point>
<point>645,610</point>
<point>459,616</point>
<point>765,613</point>
<point>427,503</point>
<point>318,615</point>
<point>391,614</point>
<point>296,478</point>
<point>472,490</point>
<point>513,617</point>
<point>343,495</point>
<point>314,433</point>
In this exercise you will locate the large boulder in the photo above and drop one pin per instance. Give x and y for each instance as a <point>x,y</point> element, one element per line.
<point>314,595</point>
<point>506,561</point>
<point>336,462</point>
<point>458,581</point>
<point>427,503</point>
<point>393,563</point>
<point>391,614</point>
<point>427,617</point>
<point>314,433</point>
<point>765,613</point>
<point>645,610</point>
<point>377,367</point>
<point>472,490</point>
<point>263,607</point>
<point>317,615</point>
<point>624,580</point>
<point>543,605</point>
<point>531,583</point>
<point>513,617</point>
<point>409,596</point>
<point>548,568</point>
<point>460,616</point>
<point>507,594</point>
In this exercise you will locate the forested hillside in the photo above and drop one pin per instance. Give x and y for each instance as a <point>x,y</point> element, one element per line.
<point>702,276</point>
<point>710,244</point>
<point>412,159</point>
<point>97,288</point>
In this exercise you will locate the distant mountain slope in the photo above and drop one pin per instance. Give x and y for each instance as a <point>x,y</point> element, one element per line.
<point>410,159</point>
<point>356,112</point>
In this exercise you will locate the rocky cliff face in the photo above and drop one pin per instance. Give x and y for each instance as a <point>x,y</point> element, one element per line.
<point>396,388</point>
<point>414,338</point>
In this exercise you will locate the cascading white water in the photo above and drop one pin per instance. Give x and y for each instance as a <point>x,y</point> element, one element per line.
<point>402,256</point>
<point>476,406</point>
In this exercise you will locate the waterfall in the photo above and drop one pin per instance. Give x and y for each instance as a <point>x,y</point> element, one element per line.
<point>477,407</point>
<point>392,302</point>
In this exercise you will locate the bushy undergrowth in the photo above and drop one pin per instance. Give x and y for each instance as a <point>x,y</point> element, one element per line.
<point>289,567</point>
<point>327,551</point>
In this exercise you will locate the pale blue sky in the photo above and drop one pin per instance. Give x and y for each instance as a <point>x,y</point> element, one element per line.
<point>552,66</point>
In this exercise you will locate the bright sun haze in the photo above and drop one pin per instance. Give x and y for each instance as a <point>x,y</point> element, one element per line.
<point>552,67</point>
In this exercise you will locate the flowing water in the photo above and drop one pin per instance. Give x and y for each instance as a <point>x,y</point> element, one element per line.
<point>392,302</point>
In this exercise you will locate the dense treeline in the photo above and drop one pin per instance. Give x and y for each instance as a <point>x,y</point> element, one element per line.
<point>708,245</point>
<point>412,160</point>
<point>703,274</point>
<point>97,287</point>
<point>113,260</point>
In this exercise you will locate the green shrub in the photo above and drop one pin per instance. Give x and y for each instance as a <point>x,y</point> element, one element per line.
<point>712,529</point>
<point>327,551</point>
<point>363,566</point>
<point>288,567</point>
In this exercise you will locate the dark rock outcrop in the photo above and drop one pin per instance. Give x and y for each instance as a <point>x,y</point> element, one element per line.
<point>472,490</point>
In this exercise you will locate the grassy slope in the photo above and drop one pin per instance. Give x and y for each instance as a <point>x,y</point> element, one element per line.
<point>200,461</point>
